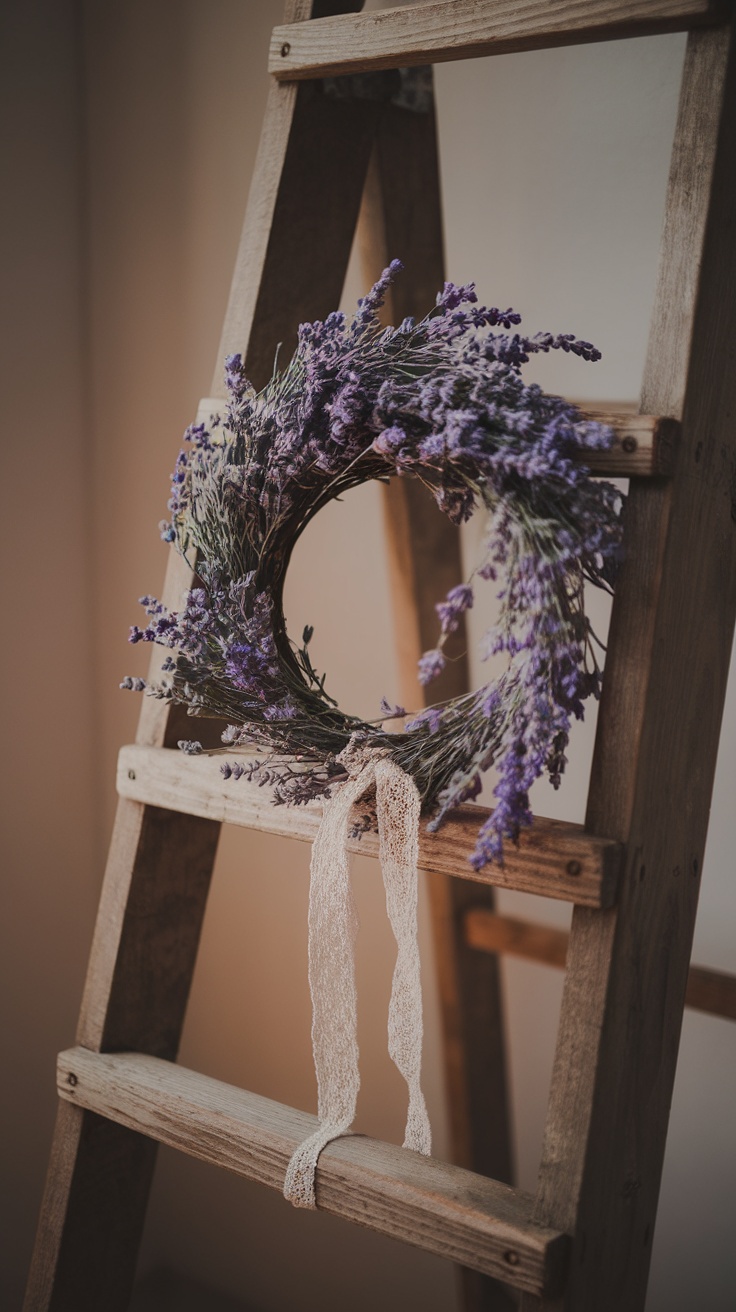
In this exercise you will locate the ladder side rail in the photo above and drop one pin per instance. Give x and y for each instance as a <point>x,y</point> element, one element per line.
<point>295,243</point>
<point>91,1221</point>
<point>141,965</point>
<point>160,862</point>
<point>401,216</point>
<point>653,768</point>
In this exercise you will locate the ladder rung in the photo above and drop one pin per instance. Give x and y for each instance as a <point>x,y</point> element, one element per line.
<point>644,444</point>
<point>444,1209</point>
<point>712,991</point>
<point>489,932</point>
<point>553,858</point>
<point>464,29</point>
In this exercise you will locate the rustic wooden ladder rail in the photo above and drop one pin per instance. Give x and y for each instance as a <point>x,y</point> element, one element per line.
<point>632,872</point>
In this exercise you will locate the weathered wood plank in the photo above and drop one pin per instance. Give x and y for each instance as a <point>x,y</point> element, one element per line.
<point>440,1208</point>
<point>708,990</point>
<point>712,991</point>
<point>147,932</point>
<point>97,1184</point>
<point>666,669</point>
<point>300,219</point>
<point>645,445</point>
<point>465,29</point>
<point>553,858</point>
<point>479,1111</point>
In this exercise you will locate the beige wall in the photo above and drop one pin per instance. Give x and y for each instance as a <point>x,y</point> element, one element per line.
<point>52,836</point>
<point>134,128</point>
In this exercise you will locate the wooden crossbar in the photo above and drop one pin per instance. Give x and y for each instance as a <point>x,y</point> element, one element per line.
<point>711,991</point>
<point>464,29</point>
<point>424,1202</point>
<point>644,445</point>
<point>553,858</point>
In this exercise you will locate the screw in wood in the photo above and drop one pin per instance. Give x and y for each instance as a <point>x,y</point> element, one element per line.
<point>72,1079</point>
<point>131,774</point>
<point>629,445</point>
<point>285,49</point>
<point>574,868</point>
<point>512,1257</point>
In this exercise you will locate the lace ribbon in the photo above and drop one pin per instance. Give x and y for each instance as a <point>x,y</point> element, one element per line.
<point>332,931</point>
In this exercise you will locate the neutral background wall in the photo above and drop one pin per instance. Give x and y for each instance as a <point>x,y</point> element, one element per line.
<point>129,134</point>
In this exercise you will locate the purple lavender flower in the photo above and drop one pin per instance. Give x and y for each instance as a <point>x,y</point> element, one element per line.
<point>431,665</point>
<point>430,719</point>
<point>389,712</point>
<point>457,601</point>
<point>235,380</point>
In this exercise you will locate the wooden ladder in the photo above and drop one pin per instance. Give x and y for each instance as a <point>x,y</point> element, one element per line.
<point>632,871</point>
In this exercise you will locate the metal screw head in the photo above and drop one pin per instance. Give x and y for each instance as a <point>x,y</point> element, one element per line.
<point>573,868</point>
<point>72,1079</point>
<point>629,445</point>
<point>285,49</point>
<point>512,1257</point>
<point>131,774</point>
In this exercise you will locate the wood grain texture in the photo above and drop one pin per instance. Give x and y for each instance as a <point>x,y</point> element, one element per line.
<point>476,1069</point>
<point>401,217</point>
<point>440,1208</point>
<point>465,29</point>
<point>668,373</point>
<point>711,991</point>
<point>147,931</point>
<point>299,224</point>
<point>645,446</point>
<point>666,669</point>
<point>553,858</point>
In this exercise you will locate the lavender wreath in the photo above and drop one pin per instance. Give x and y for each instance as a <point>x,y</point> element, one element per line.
<point>441,400</point>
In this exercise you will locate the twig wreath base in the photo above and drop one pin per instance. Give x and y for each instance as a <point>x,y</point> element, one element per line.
<point>442,400</point>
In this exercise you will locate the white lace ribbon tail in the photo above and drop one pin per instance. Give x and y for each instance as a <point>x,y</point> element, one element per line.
<point>398,807</point>
<point>300,1173</point>
<point>332,930</point>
